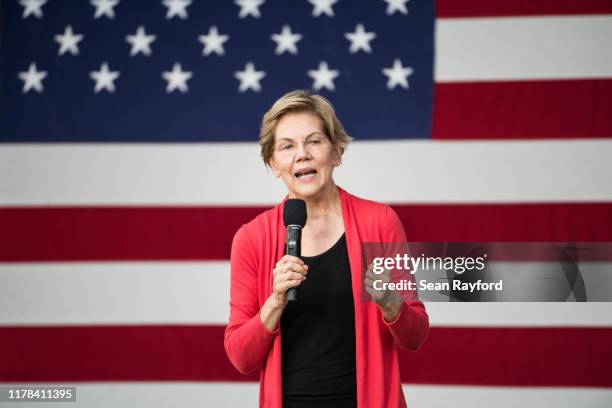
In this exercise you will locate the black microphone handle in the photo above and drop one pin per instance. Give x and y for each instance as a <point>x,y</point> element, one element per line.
<point>293,247</point>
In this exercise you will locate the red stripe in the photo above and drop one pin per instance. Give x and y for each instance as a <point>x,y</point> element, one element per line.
<point>568,357</point>
<point>523,110</point>
<point>479,356</point>
<point>499,8</point>
<point>115,353</point>
<point>507,222</point>
<point>541,252</point>
<point>120,233</point>
<point>187,233</point>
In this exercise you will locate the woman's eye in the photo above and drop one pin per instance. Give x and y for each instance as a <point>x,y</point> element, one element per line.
<point>286,147</point>
<point>314,141</point>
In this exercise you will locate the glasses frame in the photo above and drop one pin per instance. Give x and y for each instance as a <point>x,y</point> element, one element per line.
<point>288,147</point>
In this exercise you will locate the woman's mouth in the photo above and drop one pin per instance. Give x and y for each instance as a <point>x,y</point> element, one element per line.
<point>306,174</point>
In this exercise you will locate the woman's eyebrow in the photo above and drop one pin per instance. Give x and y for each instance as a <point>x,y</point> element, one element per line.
<point>306,137</point>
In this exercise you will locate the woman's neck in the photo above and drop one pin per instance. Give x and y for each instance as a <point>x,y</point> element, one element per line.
<point>327,202</point>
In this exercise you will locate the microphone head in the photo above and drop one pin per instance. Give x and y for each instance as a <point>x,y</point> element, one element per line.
<point>294,212</point>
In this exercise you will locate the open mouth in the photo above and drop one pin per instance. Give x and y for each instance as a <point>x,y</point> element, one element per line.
<point>304,173</point>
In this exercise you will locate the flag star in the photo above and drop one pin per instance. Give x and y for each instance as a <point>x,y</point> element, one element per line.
<point>396,5</point>
<point>104,78</point>
<point>176,8</point>
<point>177,78</point>
<point>249,7</point>
<point>322,7</point>
<point>213,42</point>
<point>360,39</point>
<point>397,74</point>
<point>141,42</point>
<point>249,78</point>
<point>323,77</point>
<point>286,41</point>
<point>32,78</point>
<point>68,41</point>
<point>32,7</point>
<point>104,8</point>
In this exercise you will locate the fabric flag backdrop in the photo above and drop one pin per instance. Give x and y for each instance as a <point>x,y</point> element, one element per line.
<point>128,159</point>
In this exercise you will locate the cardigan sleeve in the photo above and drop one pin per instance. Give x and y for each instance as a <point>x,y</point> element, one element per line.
<point>247,341</point>
<point>411,325</point>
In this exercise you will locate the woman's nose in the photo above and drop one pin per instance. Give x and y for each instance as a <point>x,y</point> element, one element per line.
<point>302,151</point>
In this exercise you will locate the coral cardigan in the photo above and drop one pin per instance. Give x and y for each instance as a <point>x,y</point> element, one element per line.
<point>256,248</point>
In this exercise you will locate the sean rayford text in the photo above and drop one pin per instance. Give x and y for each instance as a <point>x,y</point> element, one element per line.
<point>424,285</point>
<point>413,264</point>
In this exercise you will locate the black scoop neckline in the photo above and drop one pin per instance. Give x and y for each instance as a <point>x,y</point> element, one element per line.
<point>340,240</point>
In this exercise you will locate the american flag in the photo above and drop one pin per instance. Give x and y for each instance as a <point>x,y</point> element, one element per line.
<point>129,157</point>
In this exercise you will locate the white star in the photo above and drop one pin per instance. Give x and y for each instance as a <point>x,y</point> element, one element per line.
<point>397,74</point>
<point>68,41</point>
<point>176,8</point>
<point>286,41</point>
<point>322,7</point>
<point>141,42</point>
<point>32,7</point>
<point>213,42</point>
<point>249,78</point>
<point>396,5</point>
<point>360,39</point>
<point>104,8</point>
<point>249,7</point>
<point>177,78</point>
<point>323,77</point>
<point>32,78</point>
<point>104,78</point>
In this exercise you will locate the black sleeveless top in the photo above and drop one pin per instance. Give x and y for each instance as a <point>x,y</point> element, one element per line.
<point>318,335</point>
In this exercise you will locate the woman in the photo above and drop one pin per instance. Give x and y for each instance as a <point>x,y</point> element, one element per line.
<point>330,348</point>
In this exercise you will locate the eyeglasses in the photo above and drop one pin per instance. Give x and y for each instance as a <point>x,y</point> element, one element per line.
<point>312,143</point>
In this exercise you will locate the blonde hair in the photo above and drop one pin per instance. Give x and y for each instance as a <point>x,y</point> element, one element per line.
<point>301,101</point>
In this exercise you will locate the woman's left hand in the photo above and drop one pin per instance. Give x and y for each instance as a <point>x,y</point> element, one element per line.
<point>389,303</point>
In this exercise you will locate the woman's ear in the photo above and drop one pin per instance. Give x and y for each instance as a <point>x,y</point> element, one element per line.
<point>337,161</point>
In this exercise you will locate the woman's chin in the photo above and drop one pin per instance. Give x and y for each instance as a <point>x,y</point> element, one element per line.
<point>306,190</point>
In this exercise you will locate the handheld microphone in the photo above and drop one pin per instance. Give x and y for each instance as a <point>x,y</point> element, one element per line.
<point>294,217</point>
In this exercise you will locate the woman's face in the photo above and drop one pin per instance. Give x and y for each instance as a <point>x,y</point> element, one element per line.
<point>304,157</point>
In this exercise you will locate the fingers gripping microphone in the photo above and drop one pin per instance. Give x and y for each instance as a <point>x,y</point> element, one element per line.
<point>294,217</point>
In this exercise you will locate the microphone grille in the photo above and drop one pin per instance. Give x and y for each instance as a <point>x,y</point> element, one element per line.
<point>294,212</point>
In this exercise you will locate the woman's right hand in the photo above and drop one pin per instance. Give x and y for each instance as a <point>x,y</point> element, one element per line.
<point>289,272</point>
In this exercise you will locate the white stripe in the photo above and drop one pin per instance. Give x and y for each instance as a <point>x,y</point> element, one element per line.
<point>233,174</point>
<point>114,292</point>
<point>485,49</point>
<point>230,395</point>
<point>520,314</point>
<point>198,293</point>
<point>522,282</point>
